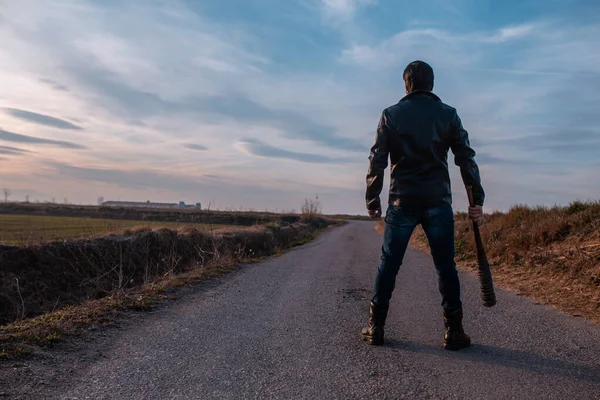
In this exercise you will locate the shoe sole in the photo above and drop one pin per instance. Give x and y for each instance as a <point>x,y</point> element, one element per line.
<point>455,347</point>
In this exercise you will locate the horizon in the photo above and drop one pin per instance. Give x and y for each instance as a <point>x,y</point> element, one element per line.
<point>260,105</point>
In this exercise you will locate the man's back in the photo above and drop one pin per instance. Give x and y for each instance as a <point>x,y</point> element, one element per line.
<point>417,133</point>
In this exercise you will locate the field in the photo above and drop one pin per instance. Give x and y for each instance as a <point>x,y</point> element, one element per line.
<point>24,230</point>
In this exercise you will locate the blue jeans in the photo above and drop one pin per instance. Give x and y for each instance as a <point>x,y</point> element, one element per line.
<point>438,224</point>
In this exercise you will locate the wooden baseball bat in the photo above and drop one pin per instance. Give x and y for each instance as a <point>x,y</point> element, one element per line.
<point>485,274</point>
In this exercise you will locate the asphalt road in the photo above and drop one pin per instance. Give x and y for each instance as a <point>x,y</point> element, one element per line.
<point>288,328</point>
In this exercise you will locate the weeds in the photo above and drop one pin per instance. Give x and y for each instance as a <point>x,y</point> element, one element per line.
<point>311,208</point>
<point>89,281</point>
<point>549,253</point>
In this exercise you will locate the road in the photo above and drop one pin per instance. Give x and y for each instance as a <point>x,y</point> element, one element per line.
<point>288,328</point>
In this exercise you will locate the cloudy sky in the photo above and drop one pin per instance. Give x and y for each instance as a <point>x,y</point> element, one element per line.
<point>257,104</point>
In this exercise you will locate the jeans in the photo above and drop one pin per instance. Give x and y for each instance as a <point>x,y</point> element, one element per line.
<point>438,224</point>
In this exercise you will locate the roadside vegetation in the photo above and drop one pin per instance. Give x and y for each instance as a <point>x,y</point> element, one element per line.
<point>550,254</point>
<point>86,269</point>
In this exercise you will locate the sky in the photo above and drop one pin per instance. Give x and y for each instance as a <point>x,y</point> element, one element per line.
<point>259,104</point>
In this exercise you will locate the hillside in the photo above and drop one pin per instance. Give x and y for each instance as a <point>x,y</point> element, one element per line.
<point>549,254</point>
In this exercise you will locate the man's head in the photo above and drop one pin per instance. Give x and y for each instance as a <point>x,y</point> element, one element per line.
<point>418,75</point>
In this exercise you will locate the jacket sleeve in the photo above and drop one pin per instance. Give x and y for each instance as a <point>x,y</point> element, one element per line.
<point>464,157</point>
<point>378,162</point>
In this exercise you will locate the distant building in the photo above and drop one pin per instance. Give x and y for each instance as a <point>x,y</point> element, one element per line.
<point>149,204</point>
<point>138,204</point>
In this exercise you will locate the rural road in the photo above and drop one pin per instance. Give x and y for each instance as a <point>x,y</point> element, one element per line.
<point>288,328</point>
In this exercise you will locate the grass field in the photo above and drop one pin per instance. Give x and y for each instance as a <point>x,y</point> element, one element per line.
<point>33,229</point>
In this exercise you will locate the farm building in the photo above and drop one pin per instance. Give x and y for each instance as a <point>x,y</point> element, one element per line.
<point>149,204</point>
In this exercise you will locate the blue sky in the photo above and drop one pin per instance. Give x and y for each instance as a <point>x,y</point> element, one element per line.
<point>258,104</point>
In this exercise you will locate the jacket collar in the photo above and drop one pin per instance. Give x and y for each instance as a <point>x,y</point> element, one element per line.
<point>420,93</point>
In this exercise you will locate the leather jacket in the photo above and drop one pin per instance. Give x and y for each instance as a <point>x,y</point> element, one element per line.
<point>416,134</point>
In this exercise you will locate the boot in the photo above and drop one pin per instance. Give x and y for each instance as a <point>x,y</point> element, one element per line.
<point>455,337</point>
<point>373,333</point>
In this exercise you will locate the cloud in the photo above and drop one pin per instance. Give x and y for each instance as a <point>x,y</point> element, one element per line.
<point>483,158</point>
<point>344,8</point>
<point>432,43</point>
<point>120,97</point>
<point>158,180</point>
<point>425,44</point>
<point>291,124</point>
<point>510,33</point>
<point>488,159</point>
<point>41,119</point>
<point>123,99</point>
<point>127,101</point>
<point>577,137</point>
<point>16,137</point>
<point>140,179</point>
<point>55,85</point>
<point>198,147</point>
<point>12,150</point>
<point>165,76</point>
<point>176,67</point>
<point>258,148</point>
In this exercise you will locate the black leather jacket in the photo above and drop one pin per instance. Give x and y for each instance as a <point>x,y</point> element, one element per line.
<point>416,135</point>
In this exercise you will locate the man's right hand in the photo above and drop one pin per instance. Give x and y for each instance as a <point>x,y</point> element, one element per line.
<point>476,214</point>
<point>376,213</point>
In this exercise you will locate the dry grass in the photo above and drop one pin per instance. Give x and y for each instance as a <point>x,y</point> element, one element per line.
<point>549,254</point>
<point>55,290</point>
<point>22,338</point>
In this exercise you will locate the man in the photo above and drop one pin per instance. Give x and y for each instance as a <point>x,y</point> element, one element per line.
<point>416,135</point>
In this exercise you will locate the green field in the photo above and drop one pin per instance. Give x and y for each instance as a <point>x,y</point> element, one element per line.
<point>33,229</point>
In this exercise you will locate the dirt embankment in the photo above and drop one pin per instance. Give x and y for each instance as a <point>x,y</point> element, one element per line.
<point>549,254</point>
<point>38,279</point>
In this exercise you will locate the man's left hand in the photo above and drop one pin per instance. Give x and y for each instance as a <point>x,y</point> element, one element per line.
<point>376,213</point>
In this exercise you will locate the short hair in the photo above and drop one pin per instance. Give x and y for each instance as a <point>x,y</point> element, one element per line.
<point>418,75</point>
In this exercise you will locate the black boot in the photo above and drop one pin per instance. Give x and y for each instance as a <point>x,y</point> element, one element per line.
<point>455,337</point>
<point>373,333</point>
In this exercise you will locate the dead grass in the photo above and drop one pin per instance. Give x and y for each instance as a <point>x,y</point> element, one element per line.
<point>549,254</point>
<point>23,338</point>
<point>53,291</point>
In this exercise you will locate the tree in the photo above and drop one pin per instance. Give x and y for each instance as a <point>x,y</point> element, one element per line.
<point>26,198</point>
<point>7,194</point>
<point>100,200</point>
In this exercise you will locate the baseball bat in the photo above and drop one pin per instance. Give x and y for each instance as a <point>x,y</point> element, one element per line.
<point>485,275</point>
